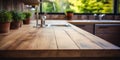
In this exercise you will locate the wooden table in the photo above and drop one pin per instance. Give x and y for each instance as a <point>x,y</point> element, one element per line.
<point>54,41</point>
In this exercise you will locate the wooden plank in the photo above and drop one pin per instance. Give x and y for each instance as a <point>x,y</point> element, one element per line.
<point>80,40</point>
<point>25,40</point>
<point>63,40</point>
<point>29,38</point>
<point>8,40</point>
<point>100,42</point>
<point>59,53</point>
<point>44,39</point>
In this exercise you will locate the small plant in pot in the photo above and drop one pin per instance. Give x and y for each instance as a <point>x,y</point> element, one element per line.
<point>5,19</point>
<point>27,18</point>
<point>69,14</point>
<point>23,17</point>
<point>17,19</point>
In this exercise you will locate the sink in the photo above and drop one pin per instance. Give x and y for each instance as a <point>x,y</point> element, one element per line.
<point>58,25</point>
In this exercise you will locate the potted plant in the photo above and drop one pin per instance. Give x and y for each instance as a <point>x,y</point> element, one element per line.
<point>23,17</point>
<point>17,19</point>
<point>5,19</point>
<point>69,14</point>
<point>27,18</point>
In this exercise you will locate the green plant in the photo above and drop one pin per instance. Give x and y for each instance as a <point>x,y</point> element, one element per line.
<point>80,6</point>
<point>92,6</point>
<point>5,16</point>
<point>69,14</point>
<point>17,16</point>
<point>69,11</point>
<point>23,16</point>
<point>27,14</point>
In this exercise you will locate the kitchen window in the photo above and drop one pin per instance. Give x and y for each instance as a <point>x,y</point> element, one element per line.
<point>79,6</point>
<point>118,6</point>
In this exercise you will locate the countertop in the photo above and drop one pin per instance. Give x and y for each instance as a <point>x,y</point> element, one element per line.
<point>54,41</point>
<point>94,21</point>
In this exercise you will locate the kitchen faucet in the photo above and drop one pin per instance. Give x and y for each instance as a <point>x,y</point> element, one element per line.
<point>43,18</point>
<point>101,16</point>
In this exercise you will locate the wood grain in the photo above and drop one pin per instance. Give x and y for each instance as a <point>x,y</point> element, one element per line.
<point>81,40</point>
<point>54,41</point>
<point>63,40</point>
<point>99,41</point>
<point>53,37</point>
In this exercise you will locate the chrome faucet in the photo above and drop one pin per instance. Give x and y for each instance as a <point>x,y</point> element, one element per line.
<point>95,16</point>
<point>101,16</point>
<point>43,18</point>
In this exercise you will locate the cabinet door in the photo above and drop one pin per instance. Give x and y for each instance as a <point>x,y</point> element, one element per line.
<point>109,32</point>
<point>87,27</point>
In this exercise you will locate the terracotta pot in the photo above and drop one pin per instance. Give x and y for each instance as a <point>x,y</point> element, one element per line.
<point>26,21</point>
<point>4,27</point>
<point>69,16</point>
<point>15,24</point>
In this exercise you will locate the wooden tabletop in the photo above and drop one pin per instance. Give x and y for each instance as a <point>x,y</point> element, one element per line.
<point>56,38</point>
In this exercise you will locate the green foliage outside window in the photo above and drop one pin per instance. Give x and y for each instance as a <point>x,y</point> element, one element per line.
<point>119,6</point>
<point>79,6</point>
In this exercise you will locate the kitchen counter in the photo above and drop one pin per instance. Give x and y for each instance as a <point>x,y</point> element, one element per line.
<point>94,21</point>
<point>56,40</point>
